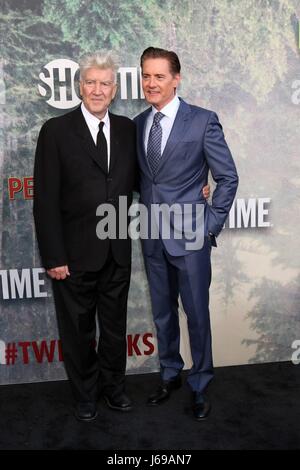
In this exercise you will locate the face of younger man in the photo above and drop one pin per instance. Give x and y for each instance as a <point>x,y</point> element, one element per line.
<point>159,84</point>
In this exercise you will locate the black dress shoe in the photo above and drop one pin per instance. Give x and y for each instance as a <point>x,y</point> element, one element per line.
<point>164,391</point>
<point>86,411</point>
<point>119,402</point>
<point>201,406</point>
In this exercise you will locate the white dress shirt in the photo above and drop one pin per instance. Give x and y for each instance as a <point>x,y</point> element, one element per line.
<point>169,111</point>
<point>93,125</point>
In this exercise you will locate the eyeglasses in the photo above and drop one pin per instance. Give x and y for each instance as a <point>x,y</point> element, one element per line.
<point>93,83</point>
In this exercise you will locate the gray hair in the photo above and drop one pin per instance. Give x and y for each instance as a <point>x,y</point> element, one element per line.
<point>100,60</point>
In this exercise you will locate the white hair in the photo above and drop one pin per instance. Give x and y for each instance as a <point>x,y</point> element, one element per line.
<point>100,60</point>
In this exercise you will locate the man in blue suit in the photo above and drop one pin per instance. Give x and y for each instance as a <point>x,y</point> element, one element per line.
<point>178,144</point>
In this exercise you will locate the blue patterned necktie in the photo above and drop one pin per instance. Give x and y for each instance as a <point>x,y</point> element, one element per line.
<point>154,143</point>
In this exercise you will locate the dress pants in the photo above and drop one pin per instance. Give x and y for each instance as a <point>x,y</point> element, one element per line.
<point>189,276</point>
<point>79,300</point>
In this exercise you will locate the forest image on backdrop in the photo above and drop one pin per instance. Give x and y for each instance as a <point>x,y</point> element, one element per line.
<point>240,59</point>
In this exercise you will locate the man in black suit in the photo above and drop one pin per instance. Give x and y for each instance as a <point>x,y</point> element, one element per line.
<point>83,159</point>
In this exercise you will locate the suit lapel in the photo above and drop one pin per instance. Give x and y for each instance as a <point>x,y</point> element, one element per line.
<point>179,129</point>
<point>83,132</point>
<point>114,141</point>
<point>141,138</point>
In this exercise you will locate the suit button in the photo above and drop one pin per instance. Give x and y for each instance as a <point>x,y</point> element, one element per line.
<point>109,180</point>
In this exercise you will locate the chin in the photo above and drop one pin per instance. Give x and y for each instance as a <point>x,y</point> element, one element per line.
<point>97,110</point>
<point>152,99</point>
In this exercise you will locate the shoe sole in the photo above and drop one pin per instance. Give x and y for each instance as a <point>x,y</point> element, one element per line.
<point>116,408</point>
<point>86,420</point>
<point>160,402</point>
<point>201,419</point>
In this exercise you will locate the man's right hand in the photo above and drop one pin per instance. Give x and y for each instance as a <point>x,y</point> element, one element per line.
<point>206,191</point>
<point>59,273</point>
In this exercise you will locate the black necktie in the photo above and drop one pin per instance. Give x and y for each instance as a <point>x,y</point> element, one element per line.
<point>102,146</point>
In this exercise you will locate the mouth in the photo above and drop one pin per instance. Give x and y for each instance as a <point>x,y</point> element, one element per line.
<point>152,93</point>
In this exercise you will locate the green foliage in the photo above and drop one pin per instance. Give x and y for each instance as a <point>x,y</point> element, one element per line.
<point>276,321</point>
<point>237,44</point>
<point>29,41</point>
<point>91,25</point>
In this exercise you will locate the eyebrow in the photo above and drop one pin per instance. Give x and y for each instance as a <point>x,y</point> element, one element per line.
<point>155,74</point>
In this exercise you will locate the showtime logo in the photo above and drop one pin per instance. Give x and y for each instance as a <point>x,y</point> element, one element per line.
<point>58,78</point>
<point>58,83</point>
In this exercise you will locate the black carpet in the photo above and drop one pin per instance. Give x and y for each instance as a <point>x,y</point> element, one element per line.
<point>253,407</point>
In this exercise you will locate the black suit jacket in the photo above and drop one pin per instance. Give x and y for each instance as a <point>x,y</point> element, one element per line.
<point>70,183</point>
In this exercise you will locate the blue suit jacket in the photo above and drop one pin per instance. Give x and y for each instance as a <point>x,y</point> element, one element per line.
<point>195,146</point>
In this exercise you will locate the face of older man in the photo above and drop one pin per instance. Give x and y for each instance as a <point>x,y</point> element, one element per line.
<point>97,89</point>
<point>158,82</point>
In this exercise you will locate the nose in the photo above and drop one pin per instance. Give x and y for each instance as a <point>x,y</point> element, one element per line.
<point>152,82</point>
<point>98,88</point>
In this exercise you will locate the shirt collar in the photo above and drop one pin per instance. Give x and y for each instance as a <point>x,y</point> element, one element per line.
<point>170,109</point>
<point>92,120</point>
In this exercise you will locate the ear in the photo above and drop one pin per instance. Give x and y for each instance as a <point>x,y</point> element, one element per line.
<point>114,91</point>
<point>177,79</point>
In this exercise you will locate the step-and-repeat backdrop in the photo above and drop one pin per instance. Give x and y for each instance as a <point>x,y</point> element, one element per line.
<point>240,59</point>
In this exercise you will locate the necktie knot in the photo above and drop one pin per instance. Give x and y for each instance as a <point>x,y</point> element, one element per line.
<point>100,125</point>
<point>157,117</point>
